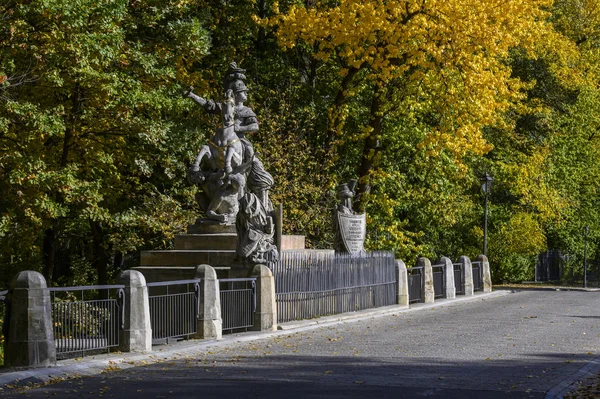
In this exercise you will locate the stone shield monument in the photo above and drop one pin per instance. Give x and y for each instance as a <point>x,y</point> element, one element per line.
<point>350,227</point>
<point>234,185</point>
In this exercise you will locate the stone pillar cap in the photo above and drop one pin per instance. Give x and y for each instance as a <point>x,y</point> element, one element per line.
<point>29,279</point>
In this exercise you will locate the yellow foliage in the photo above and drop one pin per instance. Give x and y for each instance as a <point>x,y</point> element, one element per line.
<point>440,56</point>
<point>521,235</point>
<point>535,192</point>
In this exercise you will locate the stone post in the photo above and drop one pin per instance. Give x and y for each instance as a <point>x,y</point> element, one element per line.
<point>136,336</point>
<point>402,279</point>
<point>30,340</point>
<point>467,271</point>
<point>450,285</point>
<point>265,317</point>
<point>428,293</point>
<point>487,275</point>
<point>209,323</point>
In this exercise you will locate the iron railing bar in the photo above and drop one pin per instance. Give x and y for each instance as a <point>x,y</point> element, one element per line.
<point>234,280</point>
<point>174,282</point>
<point>86,288</point>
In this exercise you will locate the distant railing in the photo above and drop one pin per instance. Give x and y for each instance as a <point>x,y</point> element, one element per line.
<point>309,285</point>
<point>238,303</point>
<point>458,278</point>
<point>86,318</point>
<point>438,280</point>
<point>415,284</point>
<point>477,276</point>
<point>174,307</point>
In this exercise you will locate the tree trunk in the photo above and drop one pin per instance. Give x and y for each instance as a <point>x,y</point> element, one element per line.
<point>100,257</point>
<point>50,235</point>
<point>337,117</point>
<point>370,155</point>
<point>261,39</point>
<point>49,252</point>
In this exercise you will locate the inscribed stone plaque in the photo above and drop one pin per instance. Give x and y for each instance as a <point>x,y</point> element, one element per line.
<point>353,229</point>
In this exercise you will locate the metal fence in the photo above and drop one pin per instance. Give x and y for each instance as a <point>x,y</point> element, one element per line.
<point>238,303</point>
<point>477,276</point>
<point>458,278</point>
<point>174,307</point>
<point>309,285</point>
<point>549,265</point>
<point>86,318</point>
<point>438,281</point>
<point>415,284</point>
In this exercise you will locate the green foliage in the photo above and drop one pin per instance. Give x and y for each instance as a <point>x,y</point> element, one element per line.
<point>94,145</point>
<point>95,137</point>
<point>75,319</point>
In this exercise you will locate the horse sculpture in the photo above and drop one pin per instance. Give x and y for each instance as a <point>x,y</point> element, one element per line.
<point>219,170</point>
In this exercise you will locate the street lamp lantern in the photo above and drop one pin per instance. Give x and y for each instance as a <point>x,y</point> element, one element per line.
<point>486,183</point>
<point>486,186</point>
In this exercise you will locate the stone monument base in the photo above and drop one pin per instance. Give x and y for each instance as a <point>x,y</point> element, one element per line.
<point>207,242</point>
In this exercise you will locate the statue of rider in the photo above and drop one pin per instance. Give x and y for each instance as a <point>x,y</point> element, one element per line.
<point>245,118</point>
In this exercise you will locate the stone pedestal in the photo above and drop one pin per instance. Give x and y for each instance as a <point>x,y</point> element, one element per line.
<point>136,336</point>
<point>449,284</point>
<point>30,340</point>
<point>207,243</point>
<point>265,317</point>
<point>428,291</point>
<point>209,323</point>
<point>467,270</point>
<point>487,275</point>
<point>402,279</point>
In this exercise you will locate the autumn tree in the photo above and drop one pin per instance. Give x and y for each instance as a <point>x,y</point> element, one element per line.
<point>91,144</point>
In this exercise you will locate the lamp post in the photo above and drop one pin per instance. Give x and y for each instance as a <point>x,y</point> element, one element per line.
<point>486,186</point>
<point>585,236</point>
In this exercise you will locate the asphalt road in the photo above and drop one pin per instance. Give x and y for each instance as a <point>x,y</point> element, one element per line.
<point>520,345</point>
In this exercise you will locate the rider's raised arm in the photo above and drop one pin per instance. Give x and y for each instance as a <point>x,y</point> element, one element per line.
<point>197,99</point>
<point>209,105</point>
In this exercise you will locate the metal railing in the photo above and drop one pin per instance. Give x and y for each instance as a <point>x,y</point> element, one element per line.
<point>310,285</point>
<point>458,278</point>
<point>415,284</point>
<point>439,283</point>
<point>174,308</point>
<point>238,303</point>
<point>477,276</point>
<point>86,318</point>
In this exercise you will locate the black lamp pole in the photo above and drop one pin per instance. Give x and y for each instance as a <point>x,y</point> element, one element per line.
<point>486,186</point>
<point>587,230</point>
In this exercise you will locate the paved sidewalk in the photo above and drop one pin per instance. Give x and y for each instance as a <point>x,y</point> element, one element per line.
<point>521,345</point>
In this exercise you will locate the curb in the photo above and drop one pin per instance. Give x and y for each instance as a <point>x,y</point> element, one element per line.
<point>567,385</point>
<point>93,365</point>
